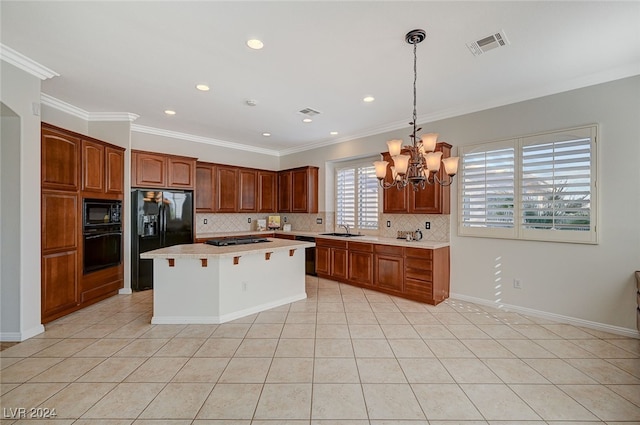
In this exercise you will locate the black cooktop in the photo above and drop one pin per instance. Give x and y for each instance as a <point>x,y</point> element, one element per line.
<point>236,241</point>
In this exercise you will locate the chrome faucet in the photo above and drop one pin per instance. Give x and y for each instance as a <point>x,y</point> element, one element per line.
<point>346,226</point>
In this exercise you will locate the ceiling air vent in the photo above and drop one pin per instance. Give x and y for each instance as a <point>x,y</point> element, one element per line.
<point>490,42</point>
<point>309,112</point>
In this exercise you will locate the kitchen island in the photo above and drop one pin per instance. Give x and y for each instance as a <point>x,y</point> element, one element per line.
<point>204,284</point>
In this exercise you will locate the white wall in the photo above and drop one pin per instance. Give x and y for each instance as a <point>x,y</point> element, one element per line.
<point>19,91</point>
<point>587,282</point>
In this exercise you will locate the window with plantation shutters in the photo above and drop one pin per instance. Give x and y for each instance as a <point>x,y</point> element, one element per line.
<point>357,196</point>
<point>540,187</point>
<point>488,189</point>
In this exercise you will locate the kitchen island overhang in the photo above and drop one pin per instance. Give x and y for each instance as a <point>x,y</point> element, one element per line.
<point>204,284</point>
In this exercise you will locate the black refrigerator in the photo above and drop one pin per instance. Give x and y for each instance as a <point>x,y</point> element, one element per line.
<point>160,218</point>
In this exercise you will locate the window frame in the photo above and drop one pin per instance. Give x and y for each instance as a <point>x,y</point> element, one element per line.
<point>519,230</point>
<point>355,164</point>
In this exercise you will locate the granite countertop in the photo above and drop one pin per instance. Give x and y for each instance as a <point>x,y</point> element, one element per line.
<point>364,238</point>
<point>200,250</point>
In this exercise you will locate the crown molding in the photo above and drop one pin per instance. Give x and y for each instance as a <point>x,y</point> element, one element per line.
<point>113,116</point>
<point>19,60</point>
<point>82,114</point>
<point>200,139</point>
<point>65,107</point>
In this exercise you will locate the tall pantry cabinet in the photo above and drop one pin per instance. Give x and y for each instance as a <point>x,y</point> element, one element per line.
<point>73,166</point>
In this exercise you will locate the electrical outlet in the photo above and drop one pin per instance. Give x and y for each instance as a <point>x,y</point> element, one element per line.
<point>427,225</point>
<point>244,286</point>
<point>517,283</point>
<point>285,219</point>
<point>318,220</point>
<point>205,221</point>
<point>249,220</point>
<point>388,223</point>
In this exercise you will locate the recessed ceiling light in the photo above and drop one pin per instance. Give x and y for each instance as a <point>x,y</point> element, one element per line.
<point>307,120</point>
<point>255,44</point>
<point>369,99</point>
<point>266,134</point>
<point>169,112</point>
<point>334,133</point>
<point>202,87</point>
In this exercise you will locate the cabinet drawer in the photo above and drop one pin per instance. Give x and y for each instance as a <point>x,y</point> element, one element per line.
<point>360,246</point>
<point>418,288</point>
<point>419,253</point>
<point>388,250</point>
<point>417,274</point>
<point>419,263</point>
<point>333,243</point>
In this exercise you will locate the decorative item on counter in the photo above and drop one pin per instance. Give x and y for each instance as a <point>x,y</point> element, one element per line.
<point>274,222</point>
<point>408,235</point>
<point>417,235</point>
<point>262,224</point>
<point>286,227</point>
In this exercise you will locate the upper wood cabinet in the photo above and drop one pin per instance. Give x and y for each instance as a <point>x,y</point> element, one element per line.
<point>60,161</point>
<point>267,191</point>
<point>298,190</point>
<point>433,199</point>
<point>114,158</point>
<point>102,168</point>
<point>226,189</point>
<point>149,169</point>
<point>248,188</point>
<point>284,191</point>
<point>205,184</point>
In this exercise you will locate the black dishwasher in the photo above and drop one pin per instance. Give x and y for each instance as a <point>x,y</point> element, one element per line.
<point>309,255</point>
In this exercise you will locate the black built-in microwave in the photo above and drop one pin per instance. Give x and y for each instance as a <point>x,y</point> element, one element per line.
<point>100,212</point>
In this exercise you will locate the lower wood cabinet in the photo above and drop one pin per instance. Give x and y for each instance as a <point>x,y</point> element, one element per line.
<point>360,263</point>
<point>389,267</point>
<point>59,284</point>
<point>331,258</point>
<point>419,274</point>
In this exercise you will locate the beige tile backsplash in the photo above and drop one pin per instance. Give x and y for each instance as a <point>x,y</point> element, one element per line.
<point>222,223</point>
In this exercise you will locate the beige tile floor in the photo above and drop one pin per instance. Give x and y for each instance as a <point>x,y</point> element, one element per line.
<point>344,356</point>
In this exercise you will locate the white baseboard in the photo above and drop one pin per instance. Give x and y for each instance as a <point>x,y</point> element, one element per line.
<point>125,291</point>
<point>603,327</point>
<point>21,336</point>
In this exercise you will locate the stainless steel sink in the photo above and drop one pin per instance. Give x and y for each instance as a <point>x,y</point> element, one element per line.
<point>344,235</point>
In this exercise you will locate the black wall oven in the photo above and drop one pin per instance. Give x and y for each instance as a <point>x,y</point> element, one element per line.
<point>102,234</point>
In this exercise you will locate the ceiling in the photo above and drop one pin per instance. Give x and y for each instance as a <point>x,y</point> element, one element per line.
<point>145,57</point>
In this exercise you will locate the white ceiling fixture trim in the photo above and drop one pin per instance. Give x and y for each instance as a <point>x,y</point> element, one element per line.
<point>19,60</point>
<point>200,139</point>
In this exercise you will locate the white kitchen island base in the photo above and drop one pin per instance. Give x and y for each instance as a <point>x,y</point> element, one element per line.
<point>202,284</point>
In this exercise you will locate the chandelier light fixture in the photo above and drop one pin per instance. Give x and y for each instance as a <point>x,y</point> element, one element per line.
<point>416,164</point>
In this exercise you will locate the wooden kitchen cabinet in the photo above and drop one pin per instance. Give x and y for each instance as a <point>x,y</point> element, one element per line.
<point>298,190</point>
<point>284,191</point>
<point>60,260</point>
<point>388,267</point>
<point>226,189</point>
<point>419,274</point>
<point>102,168</point>
<point>360,263</point>
<point>205,186</point>
<point>433,199</point>
<point>114,158</point>
<point>331,258</point>
<point>248,188</point>
<point>60,159</point>
<point>150,169</point>
<point>73,167</point>
<point>267,191</point>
